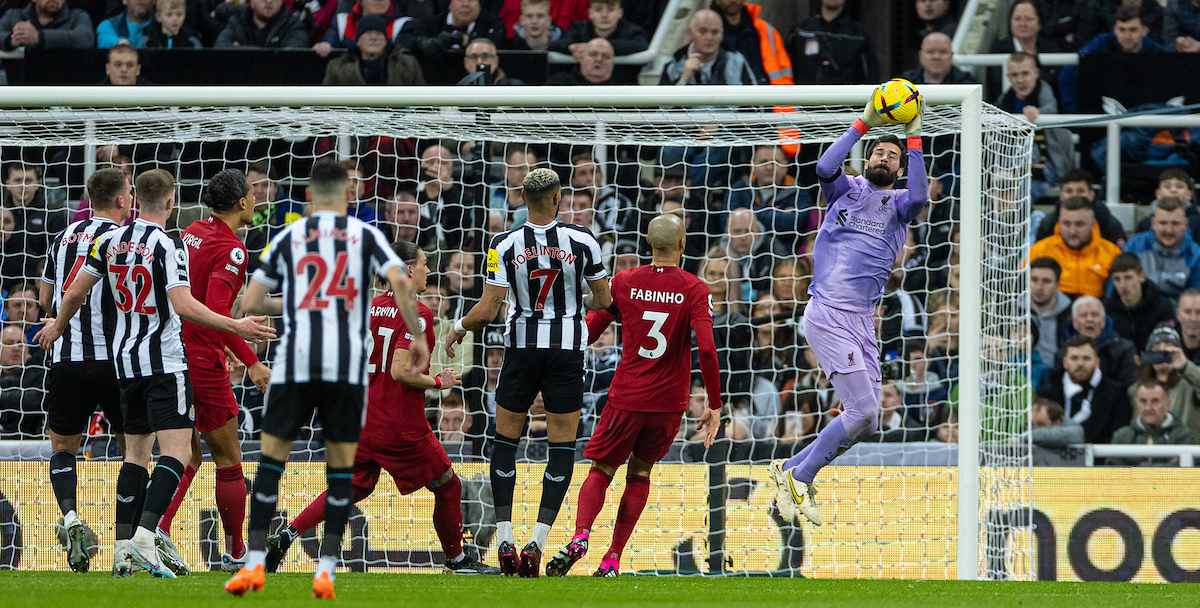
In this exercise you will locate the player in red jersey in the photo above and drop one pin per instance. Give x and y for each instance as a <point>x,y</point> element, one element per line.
<point>396,436</point>
<point>659,306</point>
<point>217,271</point>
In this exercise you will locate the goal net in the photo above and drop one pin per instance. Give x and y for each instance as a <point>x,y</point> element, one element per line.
<point>943,491</point>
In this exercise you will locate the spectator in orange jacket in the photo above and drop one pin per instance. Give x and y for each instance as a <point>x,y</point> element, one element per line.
<point>755,39</point>
<point>1077,246</point>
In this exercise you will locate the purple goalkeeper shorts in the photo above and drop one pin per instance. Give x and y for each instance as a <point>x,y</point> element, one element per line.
<point>843,342</point>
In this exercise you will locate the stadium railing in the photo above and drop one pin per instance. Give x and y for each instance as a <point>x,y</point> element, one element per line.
<point>1186,453</point>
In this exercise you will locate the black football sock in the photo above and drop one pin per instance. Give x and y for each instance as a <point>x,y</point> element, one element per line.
<point>63,478</point>
<point>504,475</point>
<point>338,500</point>
<point>557,480</point>
<point>263,500</point>
<point>131,491</point>
<point>163,483</point>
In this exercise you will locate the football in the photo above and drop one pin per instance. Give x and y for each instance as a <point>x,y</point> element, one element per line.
<point>897,101</point>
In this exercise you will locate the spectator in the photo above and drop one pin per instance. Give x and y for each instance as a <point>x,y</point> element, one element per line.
<point>452,424</point>
<point>1092,17</point>
<point>263,24</point>
<point>937,62</point>
<point>891,413</point>
<point>535,31</point>
<point>1089,396</point>
<point>454,28</point>
<point>1154,425</point>
<point>504,198</point>
<point>790,281</point>
<point>703,60</point>
<point>125,26</point>
<point>167,30</point>
<point>403,215</point>
<point>1051,308</point>
<point>599,366</point>
<point>933,17</point>
<point>272,207</point>
<point>1180,376</point>
<point>46,24</point>
<point>373,59</point>
<point>832,48</point>
<point>1078,182</point>
<point>1175,182</point>
<point>596,66</point>
<point>1187,315</point>
<point>1169,255</point>
<point>587,174</point>
<point>757,41</point>
<point>724,279</point>
<point>462,285</point>
<point>1136,304</point>
<point>752,249</point>
<point>1118,356</point>
<point>21,309</point>
<point>22,378</point>
<point>799,424</point>
<point>37,222</point>
<point>452,208</point>
<point>360,204</point>
<point>124,67</point>
<point>1181,27</point>
<point>1026,34</point>
<point>770,191</point>
<point>625,256</point>
<point>1031,96</point>
<point>1050,428</point>
<point>343,32</point>
<point>481,53</point>
<point>1129,35</point>
<point>605,20</point>
<point>1079,249</point>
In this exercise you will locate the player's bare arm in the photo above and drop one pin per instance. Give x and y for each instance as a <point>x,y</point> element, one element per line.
<point>601,296</point>
<point>256,301</point>
<point>72,300</point>
<point>45,294</point>
<point>479,316</point>
<point>402,371</point>
<point>255,328</point>
<point>406,304</point>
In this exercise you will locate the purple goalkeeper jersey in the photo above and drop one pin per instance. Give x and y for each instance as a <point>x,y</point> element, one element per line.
<point>864,228</point>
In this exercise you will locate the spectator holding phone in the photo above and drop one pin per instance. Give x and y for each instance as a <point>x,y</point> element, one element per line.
<point>1165,362</point>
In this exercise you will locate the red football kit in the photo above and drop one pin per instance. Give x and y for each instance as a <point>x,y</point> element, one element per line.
<point>396,436</point>
<point>217,271</point>
<point>659,307</point>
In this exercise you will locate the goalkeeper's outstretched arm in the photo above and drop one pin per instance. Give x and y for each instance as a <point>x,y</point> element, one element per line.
<point>834,182</point>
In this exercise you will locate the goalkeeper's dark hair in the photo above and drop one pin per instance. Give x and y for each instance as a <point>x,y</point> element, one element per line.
<point>103,187</point>
<point>408,251</point>
<point>225,189</point>
<point>327,177</point>
<point>895,141</point>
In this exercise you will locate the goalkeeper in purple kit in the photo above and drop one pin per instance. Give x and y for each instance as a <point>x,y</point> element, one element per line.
<point>864,229</point>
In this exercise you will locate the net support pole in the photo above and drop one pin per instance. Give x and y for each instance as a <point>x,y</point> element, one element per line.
<point>970,329</point>
<point>89,150</point>
<point>1112,172</point>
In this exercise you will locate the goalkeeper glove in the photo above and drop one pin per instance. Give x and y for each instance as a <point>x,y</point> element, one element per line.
<point>869,115</point>
<point>913,128</point>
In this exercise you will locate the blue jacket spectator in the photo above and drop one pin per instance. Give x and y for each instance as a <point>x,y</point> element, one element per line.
<point>47,27</point>
<point>780,203</point>
<point>1172,269</point>
<point>126,26</point>
<point>1128,36</point>
<point>263,24</point>
<point>1181,25</point>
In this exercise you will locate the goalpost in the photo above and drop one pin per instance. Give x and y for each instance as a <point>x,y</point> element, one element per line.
<point>914,510</point>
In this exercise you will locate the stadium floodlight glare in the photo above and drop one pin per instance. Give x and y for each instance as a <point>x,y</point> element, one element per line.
<point>922,520</point>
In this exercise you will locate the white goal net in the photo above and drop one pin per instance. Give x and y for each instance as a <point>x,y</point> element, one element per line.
<point>446,174</point>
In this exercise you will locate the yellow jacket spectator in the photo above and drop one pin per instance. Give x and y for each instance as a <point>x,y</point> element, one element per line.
<point>1077,246</point>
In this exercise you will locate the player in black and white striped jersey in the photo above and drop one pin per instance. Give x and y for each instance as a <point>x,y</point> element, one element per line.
<point>81,377</point>
<point>323,265</point>
<point>146,273</point>
<point>545,270</point>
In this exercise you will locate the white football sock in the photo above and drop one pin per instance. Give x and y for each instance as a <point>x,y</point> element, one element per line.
<point>326,564</point>
<point>540,532</point>
<point>70,518</point>
<point>504,532</point>
<point>255,559</point>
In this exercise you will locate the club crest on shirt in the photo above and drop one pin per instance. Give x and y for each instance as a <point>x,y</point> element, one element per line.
<point>238,255</point>
<point>421,324</point>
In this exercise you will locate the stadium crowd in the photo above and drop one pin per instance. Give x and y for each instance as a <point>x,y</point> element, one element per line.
<point>1101,297</point>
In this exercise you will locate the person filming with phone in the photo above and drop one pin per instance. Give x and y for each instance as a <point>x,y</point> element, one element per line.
<point>1165,362</point>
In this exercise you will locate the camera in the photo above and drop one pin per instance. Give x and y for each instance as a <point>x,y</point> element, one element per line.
<point>1155,357</point>
<point>892,370</point>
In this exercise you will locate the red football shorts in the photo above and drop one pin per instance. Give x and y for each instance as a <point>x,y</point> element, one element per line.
<point>412,462</point>
<point>646,435</point>
<point>213,395</point>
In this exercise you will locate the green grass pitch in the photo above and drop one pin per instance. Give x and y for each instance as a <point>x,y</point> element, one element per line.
<point>64,589</point>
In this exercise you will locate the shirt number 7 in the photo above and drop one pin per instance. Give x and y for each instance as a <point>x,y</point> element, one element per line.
<point>549,276</point>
